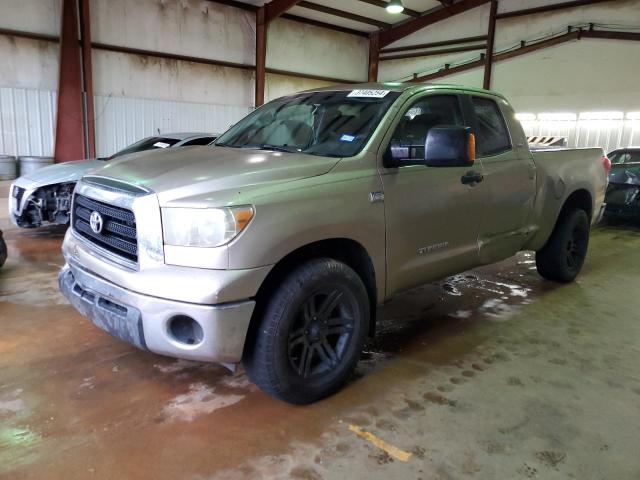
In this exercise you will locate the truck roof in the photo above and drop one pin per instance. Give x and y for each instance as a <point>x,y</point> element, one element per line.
<point>402,87</point>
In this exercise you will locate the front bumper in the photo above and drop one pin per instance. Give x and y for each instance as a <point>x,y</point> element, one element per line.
<point>622,212</point>
<point>17,205</point>
<point>144,321</point>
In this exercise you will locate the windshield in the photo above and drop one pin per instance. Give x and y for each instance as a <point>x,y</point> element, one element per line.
<point>150,143</point>
<point>624,157</point>
<point>622,173</point>
<point>330,123</point>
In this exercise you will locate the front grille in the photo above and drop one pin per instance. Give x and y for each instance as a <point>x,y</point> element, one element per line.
<point>118,233</point>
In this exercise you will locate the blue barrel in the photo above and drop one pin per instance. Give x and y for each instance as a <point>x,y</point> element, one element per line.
<point>31,164</point>
<point>8,167</point>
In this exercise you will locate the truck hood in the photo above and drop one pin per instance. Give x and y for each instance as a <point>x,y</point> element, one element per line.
<point>62,172</point>
<point>192,174</point>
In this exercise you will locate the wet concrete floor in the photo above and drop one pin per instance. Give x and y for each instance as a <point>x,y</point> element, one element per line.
<point>493,374</point>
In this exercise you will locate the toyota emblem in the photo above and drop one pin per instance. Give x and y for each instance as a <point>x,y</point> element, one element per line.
<point>96,222</point>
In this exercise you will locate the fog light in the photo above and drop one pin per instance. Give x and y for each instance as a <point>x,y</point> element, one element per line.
<point>185,330</point>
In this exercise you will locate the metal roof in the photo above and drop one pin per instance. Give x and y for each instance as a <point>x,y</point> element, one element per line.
<point>365,16</point>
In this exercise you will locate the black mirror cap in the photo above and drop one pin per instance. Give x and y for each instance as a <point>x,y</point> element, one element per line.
<point>449,147</point>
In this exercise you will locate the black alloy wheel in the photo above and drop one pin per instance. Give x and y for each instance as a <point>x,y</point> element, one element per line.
<point>321,334</point>
<point>309,333</point>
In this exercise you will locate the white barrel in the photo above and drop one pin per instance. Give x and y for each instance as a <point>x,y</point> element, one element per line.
<point>31,164</point>
<point>7,167</point>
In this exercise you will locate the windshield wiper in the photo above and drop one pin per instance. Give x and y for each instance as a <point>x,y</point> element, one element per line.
<point>274,148</point>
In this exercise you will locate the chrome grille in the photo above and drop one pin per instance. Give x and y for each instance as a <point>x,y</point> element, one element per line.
<point>118,234</point>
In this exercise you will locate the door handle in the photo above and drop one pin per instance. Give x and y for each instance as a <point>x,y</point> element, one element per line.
<point>471,178</point>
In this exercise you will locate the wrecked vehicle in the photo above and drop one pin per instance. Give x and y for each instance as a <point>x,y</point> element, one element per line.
<point>623,193</point>
<point>275,248</point>
<point>44,196</point>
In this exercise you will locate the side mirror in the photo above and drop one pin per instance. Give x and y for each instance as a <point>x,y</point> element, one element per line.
<point>450,147</point>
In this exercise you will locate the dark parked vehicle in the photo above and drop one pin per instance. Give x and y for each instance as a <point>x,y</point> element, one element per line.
<point>623,193</point>
<point>625,155</point>
<point>3,250</point>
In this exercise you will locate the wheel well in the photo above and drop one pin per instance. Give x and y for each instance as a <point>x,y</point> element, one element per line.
<point>344,250</point>
<point>579,199</point>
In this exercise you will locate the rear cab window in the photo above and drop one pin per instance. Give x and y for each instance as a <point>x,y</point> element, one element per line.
<point>492,134</point>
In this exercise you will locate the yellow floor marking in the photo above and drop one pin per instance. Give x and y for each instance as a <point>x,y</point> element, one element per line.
<point>392,450</point>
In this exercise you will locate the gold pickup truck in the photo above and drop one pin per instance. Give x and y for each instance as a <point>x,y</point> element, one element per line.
<point>274,247</point>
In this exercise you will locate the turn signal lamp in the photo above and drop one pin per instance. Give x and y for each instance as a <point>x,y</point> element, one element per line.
<point>471,147</point>
<point>606,163</point>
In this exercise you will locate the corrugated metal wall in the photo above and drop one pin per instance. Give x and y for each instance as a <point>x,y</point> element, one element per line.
<point>121,121</point>
<point>608,134</point>
<point>27,121</point>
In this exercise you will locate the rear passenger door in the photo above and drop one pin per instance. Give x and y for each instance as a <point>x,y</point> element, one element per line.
<point>509,177</point>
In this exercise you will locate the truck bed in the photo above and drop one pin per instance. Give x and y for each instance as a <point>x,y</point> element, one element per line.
<point>556,170</point>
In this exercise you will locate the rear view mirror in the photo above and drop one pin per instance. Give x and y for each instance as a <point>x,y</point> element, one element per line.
<point>450,147</point>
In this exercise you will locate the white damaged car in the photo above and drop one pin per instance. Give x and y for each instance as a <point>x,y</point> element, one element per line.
<point>45,195</point>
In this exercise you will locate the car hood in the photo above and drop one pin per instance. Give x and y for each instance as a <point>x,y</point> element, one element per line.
<point>192,174</point>
<point>61,172</point>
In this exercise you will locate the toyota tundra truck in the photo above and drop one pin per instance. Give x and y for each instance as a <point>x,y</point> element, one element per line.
<point>274,247</point>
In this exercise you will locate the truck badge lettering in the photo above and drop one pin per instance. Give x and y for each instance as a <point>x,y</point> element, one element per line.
<point>432,248</point>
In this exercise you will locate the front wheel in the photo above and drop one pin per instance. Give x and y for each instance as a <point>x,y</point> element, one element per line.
<point>311,334</point>
<point>561,259</point>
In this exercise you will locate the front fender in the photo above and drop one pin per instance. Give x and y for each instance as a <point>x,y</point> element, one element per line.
<point>333,206</point>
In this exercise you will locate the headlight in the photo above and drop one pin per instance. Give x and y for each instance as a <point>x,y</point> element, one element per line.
<point>204,227</point>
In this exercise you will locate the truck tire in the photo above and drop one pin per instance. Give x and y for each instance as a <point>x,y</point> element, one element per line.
<point>311,333</point>
<point>561,259</point>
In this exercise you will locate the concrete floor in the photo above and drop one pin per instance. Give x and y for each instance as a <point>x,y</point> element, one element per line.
<point>494,374</point>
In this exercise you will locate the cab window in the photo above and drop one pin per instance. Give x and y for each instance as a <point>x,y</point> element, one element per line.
<point>492,135</point>
<point>410,135</point>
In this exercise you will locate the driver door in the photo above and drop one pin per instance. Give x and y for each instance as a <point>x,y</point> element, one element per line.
<point>432,217</point>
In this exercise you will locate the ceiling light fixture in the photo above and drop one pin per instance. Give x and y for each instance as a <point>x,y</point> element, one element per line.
<point>395,6</point>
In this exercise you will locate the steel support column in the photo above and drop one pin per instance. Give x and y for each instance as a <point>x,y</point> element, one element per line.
<point>87,80</point>
<point>491,37</point>
<point>261,54</point>
<point>374,56</point>
<point>69,120</point>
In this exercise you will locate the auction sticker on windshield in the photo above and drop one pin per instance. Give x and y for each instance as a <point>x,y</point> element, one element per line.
<point>161,144</point>
<point>368,93</point>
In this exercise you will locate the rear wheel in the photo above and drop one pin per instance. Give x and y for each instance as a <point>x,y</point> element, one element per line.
<point>311,334</point>
<point>561,259</point>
